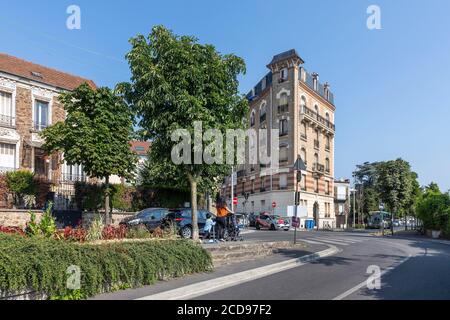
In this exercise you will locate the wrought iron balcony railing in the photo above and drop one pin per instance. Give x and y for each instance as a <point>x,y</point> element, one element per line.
<point>8,121</point>
<point>318,118</point>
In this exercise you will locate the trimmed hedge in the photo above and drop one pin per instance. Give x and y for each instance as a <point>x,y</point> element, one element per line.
<point>40,265</point>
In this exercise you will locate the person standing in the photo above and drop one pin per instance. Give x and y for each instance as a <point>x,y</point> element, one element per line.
<point>222,214</point>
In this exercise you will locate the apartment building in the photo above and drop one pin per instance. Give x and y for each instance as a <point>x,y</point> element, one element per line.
<point>28,104</point>
<point>292,100</point>
<point>342,202</point>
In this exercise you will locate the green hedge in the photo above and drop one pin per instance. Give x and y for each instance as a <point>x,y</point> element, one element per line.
<point>41,265</point>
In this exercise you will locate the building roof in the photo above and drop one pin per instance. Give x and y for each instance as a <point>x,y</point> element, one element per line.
<point>141,148</point>
<point>286,55</point>
<point>38,73</point>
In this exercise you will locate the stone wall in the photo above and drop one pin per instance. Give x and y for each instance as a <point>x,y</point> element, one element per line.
<point>88,217</point>
<point>17,218</point>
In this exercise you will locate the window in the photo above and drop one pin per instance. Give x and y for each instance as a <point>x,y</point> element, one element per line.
<point>253,186</point>
<point>284,99</point>
<point>341,209</point>
<point>262,113</point>
<point>327,165</point>
<point>327,116</point>
<point>316,159</point>
<point>263,184</point>
<point>303,102</point>
<point>327,142</point>
<point>252,118</point>
<point>73,173</point>
<point>263,84</point>
<point>316,141</point>
<point>316,109</point>
<point>316,185</point>
<point>283,182</point>
<point>7,156</point>
<point>284,157</point>
<point>41,115</point>
<point>303,183</point>
<point>6,109</point>
<point>243,188</point>
<point>304,133</point>
<point>327,187</point>
<point>284,74</point>
<point>303,155</point>
<point>284,127</point>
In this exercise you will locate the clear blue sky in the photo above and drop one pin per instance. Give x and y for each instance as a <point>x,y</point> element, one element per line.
<point>392,86</point>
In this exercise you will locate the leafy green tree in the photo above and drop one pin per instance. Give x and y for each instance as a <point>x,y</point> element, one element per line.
<point>394,184</point>
<point>95,134</point>
<point>177,81</point>
<point>434,209</point>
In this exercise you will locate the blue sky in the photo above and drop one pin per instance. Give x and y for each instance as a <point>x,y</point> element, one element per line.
<point>391,86</point>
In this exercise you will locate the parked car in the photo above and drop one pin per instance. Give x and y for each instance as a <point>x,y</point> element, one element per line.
<point>150,218</point>
<point>252,220</point>
<point>182,218</point>
<point>271,222</point>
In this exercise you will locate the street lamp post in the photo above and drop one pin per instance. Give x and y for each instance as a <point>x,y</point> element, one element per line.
<point>299,166</point>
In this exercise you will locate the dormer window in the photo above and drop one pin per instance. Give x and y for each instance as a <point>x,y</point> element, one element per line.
<point>252,118</point>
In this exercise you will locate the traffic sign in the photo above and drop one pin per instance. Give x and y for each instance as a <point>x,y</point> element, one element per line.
<point>235,201</point>
<point>274,204</point>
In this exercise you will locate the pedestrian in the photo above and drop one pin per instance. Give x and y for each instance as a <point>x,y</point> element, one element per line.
<point>208,228</point>
<point>222,214</point>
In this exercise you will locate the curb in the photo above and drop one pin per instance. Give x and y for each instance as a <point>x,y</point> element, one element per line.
<point>209,286</point>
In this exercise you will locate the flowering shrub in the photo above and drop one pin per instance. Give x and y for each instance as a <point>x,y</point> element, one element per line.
<point>12,230</point>
<point>114,233</point>
<point>73,234</point>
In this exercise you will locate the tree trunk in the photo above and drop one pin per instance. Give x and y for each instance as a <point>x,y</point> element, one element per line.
<point>193,182</point>
<point>107,209</point>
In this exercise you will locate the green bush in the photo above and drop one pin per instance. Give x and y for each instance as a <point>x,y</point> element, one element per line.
<point>21,183</point>
<point>41,265</point>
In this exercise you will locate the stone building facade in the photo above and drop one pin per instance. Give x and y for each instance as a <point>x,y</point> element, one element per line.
<point>28,104</point>
<point>292,100</point>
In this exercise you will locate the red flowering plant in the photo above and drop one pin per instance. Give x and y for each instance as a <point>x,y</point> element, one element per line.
<point>12,230</point>
<point>72,234</point>
<point>114,233</point>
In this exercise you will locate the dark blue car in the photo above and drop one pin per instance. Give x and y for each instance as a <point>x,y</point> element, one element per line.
<point>182,218</point>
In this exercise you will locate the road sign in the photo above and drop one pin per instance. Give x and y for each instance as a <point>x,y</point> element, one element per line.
<point>274,204</point>
<point>235,201</point>
<point>299,165</point>
<point>296,222</point>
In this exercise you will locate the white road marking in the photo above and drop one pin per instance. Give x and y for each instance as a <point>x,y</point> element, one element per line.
<point>363,284</point>
<point>349,240</point>
<point>329,241</point>
<point>217,284</point>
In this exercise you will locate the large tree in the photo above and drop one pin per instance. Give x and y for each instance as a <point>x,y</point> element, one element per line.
<point>175,82</point>
<point>395,184</point>
<point>96,134</point>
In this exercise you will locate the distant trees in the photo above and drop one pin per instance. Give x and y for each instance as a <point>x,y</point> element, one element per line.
<point>391,182</point>
<point>433,208</point>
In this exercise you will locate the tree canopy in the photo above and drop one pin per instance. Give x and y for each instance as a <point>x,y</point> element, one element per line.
<point>176,81</point>
<point>95,134</point>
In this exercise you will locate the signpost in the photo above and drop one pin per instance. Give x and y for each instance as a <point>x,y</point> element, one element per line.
<point>381,207</point>
<point>299,166</point>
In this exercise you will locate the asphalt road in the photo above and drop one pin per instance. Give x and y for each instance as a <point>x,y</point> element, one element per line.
<point>412,267</point>
<point>419,270</point>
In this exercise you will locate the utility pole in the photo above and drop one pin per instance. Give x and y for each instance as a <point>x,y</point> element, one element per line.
<point>232,188</point>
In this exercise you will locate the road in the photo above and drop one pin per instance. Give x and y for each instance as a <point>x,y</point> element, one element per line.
<point>412,268</point>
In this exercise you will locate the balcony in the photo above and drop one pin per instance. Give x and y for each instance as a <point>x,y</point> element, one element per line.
<point>320,168</point>
<point>7,121</point>
<point>38,127</point>
<point>283,108</point>
<point>263,118</point>
<point>312,115</point>
<point>7,169</point>
<point>72,177</point>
